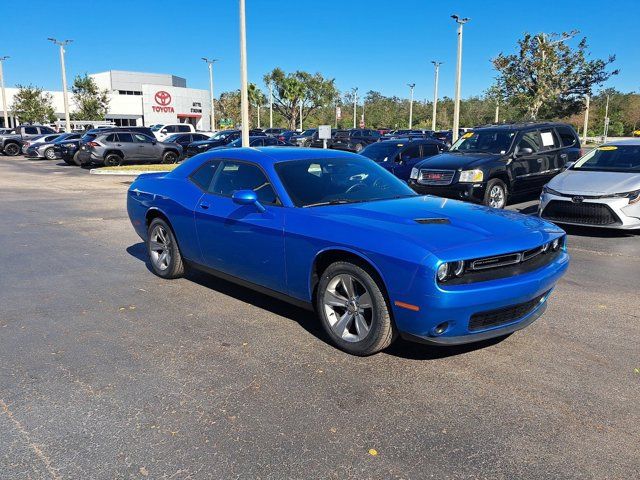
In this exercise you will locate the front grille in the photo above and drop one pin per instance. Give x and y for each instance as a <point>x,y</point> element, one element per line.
<point>502,316</point>
<point>583,213</point>
<point>436,177</point>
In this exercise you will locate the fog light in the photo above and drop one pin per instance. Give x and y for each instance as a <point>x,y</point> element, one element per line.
<point>441,328</point>
<point>443,271</point>
<point>555,244</point>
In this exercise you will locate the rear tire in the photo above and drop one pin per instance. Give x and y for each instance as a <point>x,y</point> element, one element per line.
<point>163,250</point>
<point>75,160</point>
<point>169,157</point>
<point>11,149</point>
<point>50,154</point>
<point>353,309</point>
<point>112,160</point>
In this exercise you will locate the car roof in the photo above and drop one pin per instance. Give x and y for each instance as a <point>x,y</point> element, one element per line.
<point>519,125</point>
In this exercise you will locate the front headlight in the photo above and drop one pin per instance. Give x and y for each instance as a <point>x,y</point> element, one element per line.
<point>551,191</point>
<point>414,174</point>
<point>634,197</point>
<point>447,271</point>
<point>471,176</point>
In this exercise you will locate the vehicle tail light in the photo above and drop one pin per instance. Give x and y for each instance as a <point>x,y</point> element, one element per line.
<point>92,144</point>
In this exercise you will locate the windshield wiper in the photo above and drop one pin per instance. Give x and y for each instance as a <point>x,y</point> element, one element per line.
<point>331,202</point>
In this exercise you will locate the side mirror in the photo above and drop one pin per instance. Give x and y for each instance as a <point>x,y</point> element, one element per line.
<point>524,151</point>
<point>399,160</point>
<point>247,197</point>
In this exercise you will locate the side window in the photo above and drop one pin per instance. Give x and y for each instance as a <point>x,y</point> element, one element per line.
<point>125,137</point>
<point>111,138</point>
<point>140,138</point>
<point>411,152</point>
<point>184,128</point>
<point>30,130</point>
<point>203,175</point>
<point>529,140</point>
<point>567,136</point>
<point>269,141</point>
<point>236,176</point>
<point>429,150</point>
<point>549,139</point>
<point>45,130</point>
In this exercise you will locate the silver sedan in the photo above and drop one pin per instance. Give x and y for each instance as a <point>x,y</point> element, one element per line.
<point>602,189</point>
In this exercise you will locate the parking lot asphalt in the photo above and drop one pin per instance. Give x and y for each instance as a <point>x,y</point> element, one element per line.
<point>107,371</point>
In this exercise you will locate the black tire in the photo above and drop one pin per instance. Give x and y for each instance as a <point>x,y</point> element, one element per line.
<point>169,157</point>
<point>490,194</point>
<point>12,149</point>
<point>112,160</point>
<point>75,160</point>
<point>382,330</point>
<point>50,154</point>
<point>175,265</point>
<point>359,147</point>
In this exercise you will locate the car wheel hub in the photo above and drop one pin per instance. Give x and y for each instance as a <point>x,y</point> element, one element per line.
<point>348,307</point>
<point>496,197</point>
<point>160,248</point>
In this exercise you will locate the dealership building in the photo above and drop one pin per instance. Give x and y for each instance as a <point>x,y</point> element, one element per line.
<point>141,99</point>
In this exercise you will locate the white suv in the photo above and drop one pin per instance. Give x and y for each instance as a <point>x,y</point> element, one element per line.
<point>162,131</point>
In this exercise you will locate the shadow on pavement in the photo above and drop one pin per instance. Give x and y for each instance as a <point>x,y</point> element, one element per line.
<point>308,319</point>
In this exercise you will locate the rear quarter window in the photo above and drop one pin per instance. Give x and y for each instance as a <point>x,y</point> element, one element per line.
<point>567,136</point>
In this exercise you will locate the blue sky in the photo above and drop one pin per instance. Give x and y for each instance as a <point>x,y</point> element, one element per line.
<point>374,45</point>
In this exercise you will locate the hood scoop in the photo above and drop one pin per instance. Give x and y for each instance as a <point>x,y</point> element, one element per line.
<point>432,221</point>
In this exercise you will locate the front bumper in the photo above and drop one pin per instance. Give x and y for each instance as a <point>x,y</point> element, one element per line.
<point>470,192</point>
<point>617,212</point>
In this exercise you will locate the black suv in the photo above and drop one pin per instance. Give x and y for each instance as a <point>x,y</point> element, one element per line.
<point>494,162</point>
<point>354,140</point>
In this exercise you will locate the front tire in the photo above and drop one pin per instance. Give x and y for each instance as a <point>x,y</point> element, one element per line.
<point>496,194</point>
<point>162,247</point>
<point>50,154</point>
<point>12,149</point>
<point>353,309</point>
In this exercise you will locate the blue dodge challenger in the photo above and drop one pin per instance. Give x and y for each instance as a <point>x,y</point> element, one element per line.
<point>334,231</point>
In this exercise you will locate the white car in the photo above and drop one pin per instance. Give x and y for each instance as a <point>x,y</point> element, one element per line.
<point>162,131</point>
<point>602,189</point>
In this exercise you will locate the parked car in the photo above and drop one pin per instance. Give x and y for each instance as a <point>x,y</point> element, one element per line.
<point>286,136</point>
<point>38,140</point>
<point>116,148</point>
<point>336,232</point>
<point>46,149</point>
<point>490,164</point>
<point>220,139</point>
<point>602,189</point>
<point>144,130</point>
<point>184,139</point>
<point>257,141</point>
<point>274,132</point>
<point>399,157</point>
<point>67,150</point>
<point>11,143</point>
<point>317,143</point>
<point>444,136</point>
<point>407,132</point>
<point>303,139</point>
<point>162,131</point>
<point>354,140</point>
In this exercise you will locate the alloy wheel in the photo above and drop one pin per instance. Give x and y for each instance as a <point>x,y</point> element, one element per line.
<point>160,248</point>
<point>496,197</point>
<point>12,149</point>
<point>348,307</point>
<point>50,154</point>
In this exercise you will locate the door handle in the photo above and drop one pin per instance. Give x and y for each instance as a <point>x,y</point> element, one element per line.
<point>539,160</point>
<point>204,205</point>
<point>563,155</point>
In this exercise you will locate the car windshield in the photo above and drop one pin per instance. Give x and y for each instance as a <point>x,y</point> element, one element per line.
<point>308,132</point>
<point>220,135</point>
<point>317,182</point>
<point>155,128</point>
<point>381,152</point>
<point>172,138</point>
<point>611,158</point>
<point>484,141</point>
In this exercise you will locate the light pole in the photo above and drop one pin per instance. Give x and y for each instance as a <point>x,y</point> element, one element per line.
<point>411,87</point>
<point>301,130</point>
<point>244,94</point>
<point>497,111</point>
<point>456,104</point>
<point>355,102</point>
<point>606,122</point>
<point>4,94</point>
<point>62,44</point>
<point>586,119</point>
<point>270,105</point>
<point>435,93</point>
<point>210,62</point>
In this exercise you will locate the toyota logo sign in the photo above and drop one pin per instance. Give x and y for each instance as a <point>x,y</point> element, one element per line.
<point>163,99</point>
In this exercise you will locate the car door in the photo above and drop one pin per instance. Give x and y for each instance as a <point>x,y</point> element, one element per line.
<point>405,161</point>
<point>146,148</point>
<point>550,154</point>
<point>240,240</point>
<point>125,143</point>
<point>526,161</point>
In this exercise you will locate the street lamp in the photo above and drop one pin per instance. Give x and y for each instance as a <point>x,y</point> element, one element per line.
<point>411,87</point>
<point>62,44</point>
<point>210,62</point>
<point>456,105</point>
<point>270,104</point>
<point>435,93</point>
<point>244,94</point>
<point>355,102</point>
<point>4,94</point>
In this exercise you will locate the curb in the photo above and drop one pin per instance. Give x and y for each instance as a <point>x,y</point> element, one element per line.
<point>122,173</point>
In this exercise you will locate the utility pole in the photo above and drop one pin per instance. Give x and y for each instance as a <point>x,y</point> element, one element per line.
<point>270,105</point>
<point>244,94</point>
<point>586,120</point>
<point>62,44</point>
<point>435,93</point>
<point>210,62</point>
<point>456,104</point>
<point>4,94</point>
<point>411,87</point>
<point>355,102</point>
<point>497,111</point>
<point>606,122</point>
<point>301,116</point>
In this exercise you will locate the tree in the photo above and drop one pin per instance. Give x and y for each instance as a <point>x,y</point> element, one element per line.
<point>256,98</point>
<point>546,77</point>
<point>91,102</point>
<point>33,105</point>
<point>313,91</point>
<point>229,106</point>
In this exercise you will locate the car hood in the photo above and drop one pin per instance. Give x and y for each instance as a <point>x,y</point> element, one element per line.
<point>455,161</point>
<point>595,183</point>
<point>460,230</point>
